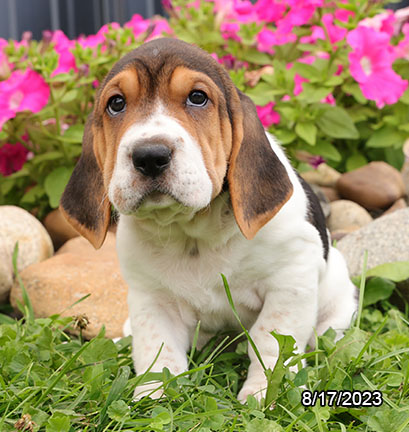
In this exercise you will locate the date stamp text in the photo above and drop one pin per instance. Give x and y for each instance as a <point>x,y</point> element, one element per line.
<point>342,398</point>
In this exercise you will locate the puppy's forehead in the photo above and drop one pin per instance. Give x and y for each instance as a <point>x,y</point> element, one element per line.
<point>162,56</point>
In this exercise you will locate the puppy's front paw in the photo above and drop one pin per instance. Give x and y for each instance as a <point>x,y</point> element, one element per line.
<point>255,386</point>
<point>147,389</point>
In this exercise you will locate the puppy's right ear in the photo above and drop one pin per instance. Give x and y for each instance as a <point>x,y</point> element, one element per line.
<point>84,202</point>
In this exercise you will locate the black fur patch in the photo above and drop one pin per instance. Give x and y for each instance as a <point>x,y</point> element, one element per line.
<point>316,215</point>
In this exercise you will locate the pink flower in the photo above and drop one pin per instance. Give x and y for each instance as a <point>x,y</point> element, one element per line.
<point>230,30</point>
<point>298,80</point>
<point>267,39</point>
<point>63,46</point>
<point>335,33</point>
<point>371,66</point>
<point>301,11</point>
<point>269,10</point>
<point>160,26</point>
<point>383,22</point>
<point>343,14</point>
<point>22,91</point>
<point>267,115</point>
<point>244,11</point>
<point>138,25</point>
<point>12,158</point>
<point>99,38</point>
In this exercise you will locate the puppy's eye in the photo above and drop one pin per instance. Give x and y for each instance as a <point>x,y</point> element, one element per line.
<point>197,98</point>
<point>116,105</point>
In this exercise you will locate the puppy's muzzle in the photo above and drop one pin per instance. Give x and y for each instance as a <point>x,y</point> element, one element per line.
<point>151,159</point>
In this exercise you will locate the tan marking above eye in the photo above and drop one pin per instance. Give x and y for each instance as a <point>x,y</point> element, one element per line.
<point>125,84</point>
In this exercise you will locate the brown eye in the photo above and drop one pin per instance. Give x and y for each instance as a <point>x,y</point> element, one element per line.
<point>116,105</point>
<point>197,98</point>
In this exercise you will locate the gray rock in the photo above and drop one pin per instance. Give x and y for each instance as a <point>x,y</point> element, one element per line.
<point>386,239</point>
<point>345,214</point>
<point>405,176</point>
<point>18,225</point>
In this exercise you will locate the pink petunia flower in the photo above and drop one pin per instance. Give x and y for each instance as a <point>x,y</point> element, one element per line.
<point>12,158</point>
<point>269,10</point>
<point>63,46</point>
<point>383,22</point>
<point>138,25</point>
<point>267,115</point>
<point>267,39</point>
<point>22,91</point>
<point>301,11</point>
<point>99,38</point>
<point>229,30</point>
<point>371,66</point>
<point>335,33</point>
<point>160,26</point>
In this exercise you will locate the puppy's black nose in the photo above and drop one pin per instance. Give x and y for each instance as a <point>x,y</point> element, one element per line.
<point>151,160</point>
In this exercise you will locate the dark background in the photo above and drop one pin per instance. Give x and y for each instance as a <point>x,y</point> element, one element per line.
<point>76,17</point>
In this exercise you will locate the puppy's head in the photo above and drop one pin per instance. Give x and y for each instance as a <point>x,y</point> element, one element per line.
<point>169,127</point>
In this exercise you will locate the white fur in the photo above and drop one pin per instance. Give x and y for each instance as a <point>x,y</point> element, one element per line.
<point>186,179</point>
<point>279,280</point>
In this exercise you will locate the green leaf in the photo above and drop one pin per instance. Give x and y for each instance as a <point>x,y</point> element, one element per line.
<point>52,155</point>
<point>257,57</point>
<point>307,71</point>
<point>33,194</point>
<point>285,136</point>
<point>58,423</point>
<point>119,411</point>
<point>55,183</point>
<point>326,150</point>
<point>397,271</point>
<point>354,90</point>
<point>263,425</point>
<point>355,161</point>
<point>376,289</point>
<point>73,134</point>
<point>385,137</point>
<point>307,131</point>
<point>274,377</point>
<point>313,93</point>
<point>335,122</point>
<point>262,94</point>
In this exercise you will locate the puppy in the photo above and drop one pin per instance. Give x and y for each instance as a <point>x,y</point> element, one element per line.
<point>202,190</point>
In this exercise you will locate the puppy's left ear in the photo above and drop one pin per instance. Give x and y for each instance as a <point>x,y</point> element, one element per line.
<point>84,202</point>
<point>258,182</point>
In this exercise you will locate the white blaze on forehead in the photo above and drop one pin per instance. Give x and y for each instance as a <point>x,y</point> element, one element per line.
<point>186,179</point>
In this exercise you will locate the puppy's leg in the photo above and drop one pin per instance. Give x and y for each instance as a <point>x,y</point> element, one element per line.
<point>155,320</point>
<point>338,299</point>
<point>290,311</point>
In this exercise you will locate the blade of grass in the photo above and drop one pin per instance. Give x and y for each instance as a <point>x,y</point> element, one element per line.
<point>251,342</point>
<point>362,290</point>
<point>29,311</point>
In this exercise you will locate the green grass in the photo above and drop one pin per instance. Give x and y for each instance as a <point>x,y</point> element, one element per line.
<point>62,383</point>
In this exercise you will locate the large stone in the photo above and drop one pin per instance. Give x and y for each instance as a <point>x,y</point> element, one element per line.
<point>75,271</point>
<point>398,205</point>
<point>386,239</point>
<point>374,186</point>
<point>324,175</point>
<point>405,176</point>
<point>58,228</point>
<point>345,214</point>
<point>35,245</point>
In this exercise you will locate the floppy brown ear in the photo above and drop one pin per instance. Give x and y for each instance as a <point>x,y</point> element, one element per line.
<point>258,182</point>
<point>84,202</point>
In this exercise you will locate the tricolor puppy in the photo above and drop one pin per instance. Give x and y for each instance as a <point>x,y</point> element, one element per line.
<point>201,190</point>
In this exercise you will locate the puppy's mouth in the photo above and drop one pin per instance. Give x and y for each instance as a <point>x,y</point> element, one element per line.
<point>162,208</point>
